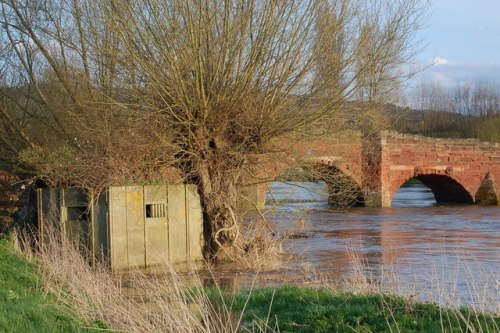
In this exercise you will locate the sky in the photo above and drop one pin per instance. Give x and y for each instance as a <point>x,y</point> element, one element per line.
<point>462,39</point>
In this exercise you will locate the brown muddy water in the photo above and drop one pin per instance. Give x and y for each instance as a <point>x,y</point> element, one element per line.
<point>447,254</point>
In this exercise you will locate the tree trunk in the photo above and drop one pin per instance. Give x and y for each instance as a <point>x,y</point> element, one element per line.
<point>218,188</point>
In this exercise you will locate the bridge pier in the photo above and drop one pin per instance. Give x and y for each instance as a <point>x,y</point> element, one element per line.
<point>373,185</point>
<point>487,194</point>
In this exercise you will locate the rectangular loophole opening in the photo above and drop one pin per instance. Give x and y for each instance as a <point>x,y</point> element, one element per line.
<point>80,214</point>
<point>156,210</point>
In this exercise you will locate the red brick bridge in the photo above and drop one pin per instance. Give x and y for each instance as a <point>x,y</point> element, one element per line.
<point>458,171</point>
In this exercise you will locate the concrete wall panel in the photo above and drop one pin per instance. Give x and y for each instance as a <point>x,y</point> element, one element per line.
<point>118,228</point>
<point>195,223</point>
<point>156,225</point>
<point>178,247</point>
<point>135,226</point>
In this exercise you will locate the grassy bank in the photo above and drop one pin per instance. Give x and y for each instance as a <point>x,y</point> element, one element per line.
<point>298,309</point>
<point>23,305</point>
<point>170,303</point>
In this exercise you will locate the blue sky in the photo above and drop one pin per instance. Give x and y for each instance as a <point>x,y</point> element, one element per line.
<point>463,38</point>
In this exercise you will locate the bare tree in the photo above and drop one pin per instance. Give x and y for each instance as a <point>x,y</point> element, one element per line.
<point>470,109</point>
<point>131,88</point>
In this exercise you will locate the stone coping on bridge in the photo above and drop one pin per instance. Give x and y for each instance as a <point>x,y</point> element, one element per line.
<point>453,141</point>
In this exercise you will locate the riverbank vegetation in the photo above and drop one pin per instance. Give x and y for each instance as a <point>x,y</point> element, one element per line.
<point>468,110</point>
<point>302,309</point>
<point>24,305</point>
<point>174,301</point>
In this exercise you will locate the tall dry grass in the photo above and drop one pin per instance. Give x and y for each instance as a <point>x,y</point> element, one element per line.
<point>172,302</point>
<point>480,291</point>
<point>144,303</point>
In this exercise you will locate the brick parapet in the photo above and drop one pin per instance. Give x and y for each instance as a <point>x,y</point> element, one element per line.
<point>466,161</point>
<point>381,164</point>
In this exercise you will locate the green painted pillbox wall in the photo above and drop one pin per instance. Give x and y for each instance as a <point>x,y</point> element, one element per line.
<point>127,226</point>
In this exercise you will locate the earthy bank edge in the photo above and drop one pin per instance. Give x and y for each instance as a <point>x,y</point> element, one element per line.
<point>24,307</point>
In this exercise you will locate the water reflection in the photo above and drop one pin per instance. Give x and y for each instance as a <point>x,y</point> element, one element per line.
<point>413,195</point>
<point>415,239</point>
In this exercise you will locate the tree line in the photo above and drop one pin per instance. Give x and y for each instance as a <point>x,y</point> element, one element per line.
<point>467,110</point>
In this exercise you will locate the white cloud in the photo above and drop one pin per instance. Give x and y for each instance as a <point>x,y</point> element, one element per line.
<point>437,61</point>
<point>450,73</point>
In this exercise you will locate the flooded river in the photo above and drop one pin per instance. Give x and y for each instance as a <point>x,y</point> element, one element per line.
<point>443,253</point>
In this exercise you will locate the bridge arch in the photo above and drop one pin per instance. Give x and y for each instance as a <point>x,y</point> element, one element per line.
<point>445,188</point>
<point>343,189</point>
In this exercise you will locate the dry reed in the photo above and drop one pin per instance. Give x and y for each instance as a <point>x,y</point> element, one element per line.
<point>482,295</point>
<point>145,303</point>
<point>169,302</point>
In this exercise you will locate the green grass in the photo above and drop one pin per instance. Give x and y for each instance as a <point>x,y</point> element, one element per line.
<point>412,181</point>
<point>23,305</point>
<point>297,309</point>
